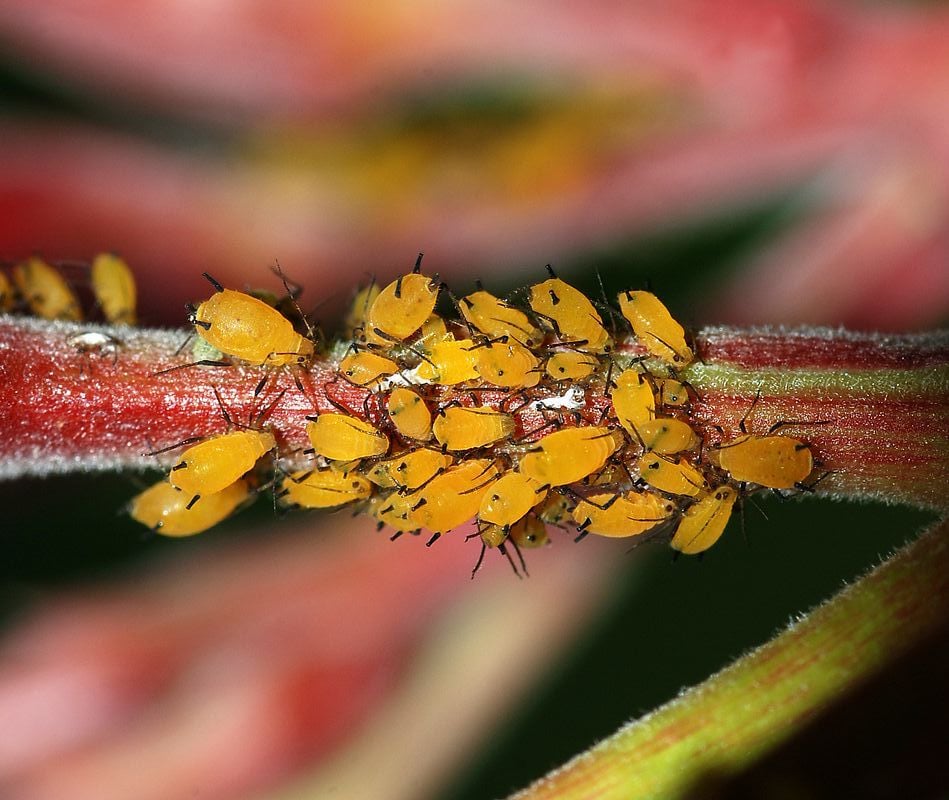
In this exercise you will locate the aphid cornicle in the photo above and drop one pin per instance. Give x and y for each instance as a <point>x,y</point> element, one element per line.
<point>571,314</point>
<point>703,523</point>
<point>216,463</point>
<point>629,514</point>
<point>402,307</point>
<point>323,488</point>
<point>570,365</point>
<point>655,328</point>
<point>114,287</point>
<point>169,512</point>
<point>666,435</point>
<point>633,401</point>
<point>495,318</point>
<point>409,414</point>
<point>569,455</point>
<point>459,428</point>
<point>46,291</point>
<point>344,438</point>
<point>364,368</point>
<point>777,462</point>
<point>510,499</point>
<point>673,477</point>
<point>244,327</point>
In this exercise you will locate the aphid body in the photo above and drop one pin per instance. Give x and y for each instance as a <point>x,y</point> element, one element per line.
<point>467,428</point>
<point>166,510</point>
<point>344,438</point>
<point>7,294</point>
<point>409,414</point>
<point>453,497</point>
<point>675,477</point>
<point>46,291</point>
<point>666,435</point>
<point>703,523</point>
<point>672,393</point>
<point>569,455</point>
<point>449,363</point>
<point>570,365</point>
<point>114,287</point>
<point>510,499</point>
<point>573,316</point>
<point>364,368</point>
<point>654,326</point>
<point>216,463</point>
<point>359,309</point>
<point>495,318</point>
<point>402,307</point>
<point>323,488</point>
<point>509,365</point>
<point>778,462</point>
<point>633,401</point>
<point>409,470</point>
<point>629,514</point>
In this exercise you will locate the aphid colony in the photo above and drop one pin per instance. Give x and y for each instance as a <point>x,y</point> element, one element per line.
<point>517,414</point>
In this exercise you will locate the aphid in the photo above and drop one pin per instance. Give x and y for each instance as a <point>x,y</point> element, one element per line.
<point>570,365</point>
<point>167,511</point>
<point>454,497</point>
<point>45,291</point>
<point>410,470</point>
<point>672,393</point>
<point>778,462</point>
<point>675,477</point>
<point>114,288</point>
<point>7,294</point>
<point>244,327</point>
<point>509,365</point>
<point>433,331</point>
<point>615,515</point>
<point>654,326</point>
<point>216,463</point>
<point>359,309</point>
<point>323,488</point>
<point>364,368</point>
<point>570,455</point>
<point>633,400</point>
<point>666,435</point>
<point>555,509</point>
<point>529,532</point>
<point>450,362</point>
<point>345,438</point>
<point>466,428</point>
<point>496,319</point>
<point>409,414</point>
<point>393,510</point>
<point>509,499</point>
<point>403,306</point>
<point>571,314</point>
<point>703,523</point>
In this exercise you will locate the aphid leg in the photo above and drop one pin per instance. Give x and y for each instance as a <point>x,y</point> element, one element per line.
<point>182,443</point>
<point>480,560</point>
<point>184,344</point>
<point>744,419</point>
<point>789,422</point>
<point>202,363</point>
<point>520,558</point>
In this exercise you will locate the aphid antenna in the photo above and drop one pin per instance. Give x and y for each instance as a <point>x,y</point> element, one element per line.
<point>795,422</point>
<point>182,443</point>
<point>266,411</point>
<point>761,511</point>
<point>606,305</point>
<point>293,294</point>
<point>744,419</point>
<point>205,362</point>
<point>480,560</point>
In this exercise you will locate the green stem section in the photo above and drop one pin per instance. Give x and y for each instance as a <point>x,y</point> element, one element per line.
<point>740,713</point>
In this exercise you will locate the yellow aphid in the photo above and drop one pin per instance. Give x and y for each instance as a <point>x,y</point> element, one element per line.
<point>409,470</point>
<point>492,536</point>
<point>345,438</point>
<point>393,510</point>
<point>510,499</point>
<point>244,327</point>
<point>215,463</point>
<point>571,314</point>
<point>359,309</point>
<point>433,331</point>
<point>114,288</point>
<point>570,455</point>
<point>570,365</point>
<point>655,328</point>
<point>46,291</point>
<point>675,477</point>
<point>364,368</point>
<point>495,318</point>
<point>778,462</point>
<point>409,414</point>
<point>323,488</point>
<point>615,515</point>
<point>666,435</point>
<point>454,497</point>
<point>529,532</point>
<point>166,510</point>
<point>509,365</point>
<point>466,428</point>
<point>703,523</point>
<point>672,393</point>
<point>7,294</point>
<point>403,306</point>
<point>555,509</point>
<point>450,362</point>
<point>633,401</point>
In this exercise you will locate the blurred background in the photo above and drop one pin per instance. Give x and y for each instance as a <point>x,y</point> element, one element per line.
<point>780,163</point>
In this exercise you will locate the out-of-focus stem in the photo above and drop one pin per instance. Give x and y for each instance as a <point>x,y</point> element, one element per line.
<point>737,715</point>
<point>882,401</point>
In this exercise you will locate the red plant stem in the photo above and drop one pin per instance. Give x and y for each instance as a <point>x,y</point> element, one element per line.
<point>885,399</point>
